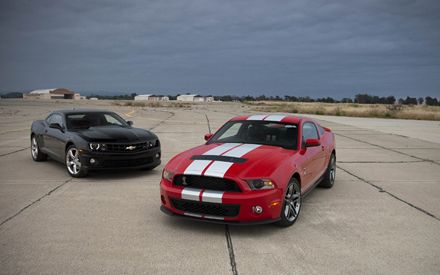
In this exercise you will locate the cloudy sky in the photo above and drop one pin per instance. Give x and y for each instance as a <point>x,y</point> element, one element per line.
<point>318,48</point>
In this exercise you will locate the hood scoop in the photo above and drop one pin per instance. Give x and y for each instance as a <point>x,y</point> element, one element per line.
<point>219,158</point>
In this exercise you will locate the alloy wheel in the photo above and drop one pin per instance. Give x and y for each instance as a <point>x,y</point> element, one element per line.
<point>293,202</point>
<point>73,162</point>
<point>34,148</point>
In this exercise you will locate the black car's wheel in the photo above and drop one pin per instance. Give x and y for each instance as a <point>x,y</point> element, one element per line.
<point>73,163</point>
<point>36,154</point>
<point>291,205</point>
<point>330,174</point>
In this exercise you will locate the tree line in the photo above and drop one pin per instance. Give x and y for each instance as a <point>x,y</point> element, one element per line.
<point>359,98</point>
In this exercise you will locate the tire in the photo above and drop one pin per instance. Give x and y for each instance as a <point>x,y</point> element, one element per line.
<point>36,153</point>
<point>291,205</point>
<point>73,163</point>
<point>330,174</point>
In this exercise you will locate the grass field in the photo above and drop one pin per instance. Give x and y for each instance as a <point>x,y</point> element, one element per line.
<point>350,109</point>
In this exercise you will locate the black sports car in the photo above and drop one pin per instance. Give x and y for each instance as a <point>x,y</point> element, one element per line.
<point>93,139</point>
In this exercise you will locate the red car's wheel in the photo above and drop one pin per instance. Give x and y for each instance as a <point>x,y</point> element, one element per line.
<point>330,174</point>
<point>292,204</point>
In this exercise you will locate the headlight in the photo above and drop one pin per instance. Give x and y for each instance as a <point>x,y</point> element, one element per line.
<point>97,146</point>
<point>94,146</point>
<point>260,184</point>
<point>167,175</point>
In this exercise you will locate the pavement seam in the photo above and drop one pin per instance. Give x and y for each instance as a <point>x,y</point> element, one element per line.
<point>389,149</point>
<point>34,202</point>
<point>231,250</point>
<point>13,152</point>
<point>163,120</point>
<point>380,189</point>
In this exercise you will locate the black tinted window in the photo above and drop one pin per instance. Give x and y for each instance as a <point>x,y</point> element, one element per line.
<point>258,132</point>
<point>94,119</point>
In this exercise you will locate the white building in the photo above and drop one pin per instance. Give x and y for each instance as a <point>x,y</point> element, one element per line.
<point>142,97</point>
<point>186,98</point>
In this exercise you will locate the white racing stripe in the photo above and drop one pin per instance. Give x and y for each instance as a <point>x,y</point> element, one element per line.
<point>217,151</point>
<point>212,196</point>
<point>196,167</point>
<point>256,117</point>
<point>191,194</point>
<point>241,150</point>
<point>274,118</point>
<point>219,168</point>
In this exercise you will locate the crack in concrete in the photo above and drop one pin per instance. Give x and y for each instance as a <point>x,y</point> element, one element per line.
<point>13,152</point>
<point>34,202</point>
<point>163,120</point>
<point>380,189</point>
<point>389,149</point>
<point>231,251</point>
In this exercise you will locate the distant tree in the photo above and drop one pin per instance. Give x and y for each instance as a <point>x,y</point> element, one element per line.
<point>347,100</point>
<point>290,98</point>
<point>410,101</point>
<point>390,100</point>
<point>431,101</point>
<point>420,100</point>
<point>12,95</point>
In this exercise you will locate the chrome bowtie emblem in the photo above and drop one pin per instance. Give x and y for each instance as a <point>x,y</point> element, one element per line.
<point>132,147</point>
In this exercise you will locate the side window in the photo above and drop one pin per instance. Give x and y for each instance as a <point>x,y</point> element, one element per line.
<point>321,130</point>
<point>49,119</point>
<point>55,118</point>
<point>309,131</point>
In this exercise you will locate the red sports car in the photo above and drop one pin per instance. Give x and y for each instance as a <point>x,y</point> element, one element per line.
<point>254,169</point>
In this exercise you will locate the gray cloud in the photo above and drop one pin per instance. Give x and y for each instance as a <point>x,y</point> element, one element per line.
<point>317,48</point>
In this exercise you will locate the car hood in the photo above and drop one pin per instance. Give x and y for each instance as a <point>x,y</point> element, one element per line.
<point>116,134</point>
<point>230,160</point>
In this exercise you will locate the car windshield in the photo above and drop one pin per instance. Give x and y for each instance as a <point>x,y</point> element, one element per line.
<point>258,132</point>
<point>80,121</point>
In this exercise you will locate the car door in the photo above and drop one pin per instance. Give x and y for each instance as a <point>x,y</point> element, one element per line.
<point>54,138</point>
<point>311,164</point>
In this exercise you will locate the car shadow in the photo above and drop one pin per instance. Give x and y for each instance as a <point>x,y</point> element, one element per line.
<point>108,174</point>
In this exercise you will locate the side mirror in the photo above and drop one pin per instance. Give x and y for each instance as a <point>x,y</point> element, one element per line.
<point>56,126</point>
<point>312,142</point>
<point>130,122</point>
<point>208,136</point>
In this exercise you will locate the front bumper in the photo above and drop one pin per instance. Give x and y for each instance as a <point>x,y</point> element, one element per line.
<point>99,160</point>
<point>221,207</point>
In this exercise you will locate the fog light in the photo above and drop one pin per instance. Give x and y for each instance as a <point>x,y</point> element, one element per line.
<point>162,198</point>
<point>157,155</point>
<point>92,161</point>
<point>257,209</point>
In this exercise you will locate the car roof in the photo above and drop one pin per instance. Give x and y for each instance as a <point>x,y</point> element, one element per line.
<point>270,117</point>
<point>77,111</point>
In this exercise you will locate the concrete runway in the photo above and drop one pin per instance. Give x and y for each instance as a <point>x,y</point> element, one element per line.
<point>381,217</point>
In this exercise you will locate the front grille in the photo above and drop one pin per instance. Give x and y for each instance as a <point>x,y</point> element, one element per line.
<point>130,147</point>
<point>209,183</point>
<point>126,162</point>
<point>206,208</point>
